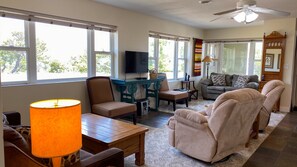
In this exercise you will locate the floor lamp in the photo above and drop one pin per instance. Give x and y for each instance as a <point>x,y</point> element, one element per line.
<point>55,128</point>
<point>207,60</point>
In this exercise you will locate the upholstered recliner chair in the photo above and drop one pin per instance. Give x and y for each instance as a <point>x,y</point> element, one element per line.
<point>272,90</point>
<point>171,95</point>
<point>224,129</point>
<point>102,99</point>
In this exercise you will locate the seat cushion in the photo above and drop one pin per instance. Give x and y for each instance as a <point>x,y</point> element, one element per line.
<point>216,89</point>
<point>113,109</point>
<point>173,95</point>
<point>230,88</point>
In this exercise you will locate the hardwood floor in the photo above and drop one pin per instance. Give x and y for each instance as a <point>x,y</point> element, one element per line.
<point>280,147</point>
<point>278,150</point>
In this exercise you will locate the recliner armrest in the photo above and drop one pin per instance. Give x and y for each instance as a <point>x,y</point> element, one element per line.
<point>253,85</point>
<point>189,117</point>
<point>109,157</point>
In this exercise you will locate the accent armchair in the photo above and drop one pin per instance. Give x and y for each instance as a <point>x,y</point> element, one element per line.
<point>170,95</point>
<point>272,90</point>
<point>223,130</point>
<point>102,99</point>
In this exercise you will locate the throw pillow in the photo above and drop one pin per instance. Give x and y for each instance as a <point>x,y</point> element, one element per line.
<point>4,120</point>
<point>241,81</point>
<point>218,80</point>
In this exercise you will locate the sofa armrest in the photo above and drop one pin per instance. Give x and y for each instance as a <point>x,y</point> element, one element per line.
<point>109,157</point>
<point>190,118</point>
<point>12,151</point>
<point>253,85</point>
<point>13,117</point>
<point>206,82</point>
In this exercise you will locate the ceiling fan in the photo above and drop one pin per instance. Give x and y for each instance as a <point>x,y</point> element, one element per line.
<point>246,11</point>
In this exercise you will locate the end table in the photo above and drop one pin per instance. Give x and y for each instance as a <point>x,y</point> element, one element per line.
<point>193,93</point>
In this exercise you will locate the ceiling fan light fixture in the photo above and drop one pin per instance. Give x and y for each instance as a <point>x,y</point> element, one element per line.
<point>246,16</point>
<point>251,17</point>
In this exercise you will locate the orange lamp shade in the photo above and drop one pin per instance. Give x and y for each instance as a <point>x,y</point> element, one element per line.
<point>55,127</point>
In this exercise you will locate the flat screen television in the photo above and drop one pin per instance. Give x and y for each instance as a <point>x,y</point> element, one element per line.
<point>136,62</point>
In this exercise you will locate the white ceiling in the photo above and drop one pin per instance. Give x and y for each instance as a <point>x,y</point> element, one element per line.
<point>191,12</point>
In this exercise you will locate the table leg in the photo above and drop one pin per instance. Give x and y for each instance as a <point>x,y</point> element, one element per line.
<point>139,156</point>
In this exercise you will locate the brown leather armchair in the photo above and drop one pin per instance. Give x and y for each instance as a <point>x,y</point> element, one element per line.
<point>170,95</point>
<point>17,151</point>
<point>102,99</point>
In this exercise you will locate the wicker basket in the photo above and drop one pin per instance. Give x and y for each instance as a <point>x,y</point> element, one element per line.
<point>153,75</point>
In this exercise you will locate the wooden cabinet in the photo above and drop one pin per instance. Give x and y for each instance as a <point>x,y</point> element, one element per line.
<point>274,46</point>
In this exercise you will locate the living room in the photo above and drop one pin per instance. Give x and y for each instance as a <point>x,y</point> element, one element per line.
<point>132,34</point>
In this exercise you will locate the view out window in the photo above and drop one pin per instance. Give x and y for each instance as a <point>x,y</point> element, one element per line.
<point>167,56</point>
<point>61,52</point>
<point>13,50</point>
<point>103,53</point>
<point>258,58</point>
<point>237,58</point>
<point>234,59</point>
<point>181,59</point>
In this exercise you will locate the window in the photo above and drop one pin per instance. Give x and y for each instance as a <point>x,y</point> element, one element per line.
<point>13,50</point>
<point>61,52</point>
<point>235,58</point>
<point>32,52</point>
<point>103,53</point>
<point>168,56</point>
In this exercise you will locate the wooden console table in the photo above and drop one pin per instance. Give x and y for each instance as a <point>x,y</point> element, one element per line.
<point>128,88</point>
<point>193,93</point>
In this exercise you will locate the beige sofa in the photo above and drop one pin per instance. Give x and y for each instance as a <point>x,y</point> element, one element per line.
<point>224,129</point>
<point>272,90</point>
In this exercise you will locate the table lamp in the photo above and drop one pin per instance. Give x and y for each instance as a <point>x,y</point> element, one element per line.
<point>207,60</point>
<point>55,128</point>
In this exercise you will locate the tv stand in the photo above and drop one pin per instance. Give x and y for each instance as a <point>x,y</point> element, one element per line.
<point>141,78</point>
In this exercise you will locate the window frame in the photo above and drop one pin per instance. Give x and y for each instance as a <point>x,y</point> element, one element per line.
<point>155,56</point>
<point>30,49</point>
<point>218,52</point>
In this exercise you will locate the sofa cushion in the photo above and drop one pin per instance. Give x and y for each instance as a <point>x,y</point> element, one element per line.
<point>218,80</point>
<point>241,81</point>
<point>12,136</point>
<point>228,79</point>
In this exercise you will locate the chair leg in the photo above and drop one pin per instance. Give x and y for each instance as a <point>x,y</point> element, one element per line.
<point>174,105</point>
<point>134,119</point>
<point>168,102</point>
<point>186,102</point>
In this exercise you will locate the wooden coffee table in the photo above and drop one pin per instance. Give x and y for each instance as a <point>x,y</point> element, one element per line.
<point>101,133</point>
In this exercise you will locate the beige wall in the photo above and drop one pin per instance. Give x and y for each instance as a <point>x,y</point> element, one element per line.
<point>280,25</point>
<point>132,33</point>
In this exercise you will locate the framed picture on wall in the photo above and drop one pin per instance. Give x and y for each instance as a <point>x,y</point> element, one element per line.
<point>269,60</point>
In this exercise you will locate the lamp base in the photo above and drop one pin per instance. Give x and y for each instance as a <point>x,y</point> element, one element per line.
<point>56,161</point>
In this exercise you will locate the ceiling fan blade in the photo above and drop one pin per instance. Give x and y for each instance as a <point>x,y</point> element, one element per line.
<point>227,11</point>
<point>269,11</point>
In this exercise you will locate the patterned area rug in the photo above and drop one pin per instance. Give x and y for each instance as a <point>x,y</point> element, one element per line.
<point>158,153</point>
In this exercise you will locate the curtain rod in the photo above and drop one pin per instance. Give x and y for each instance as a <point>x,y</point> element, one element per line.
<point>239,40</point>
<point>58,18</point>
<point>169,35</point>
